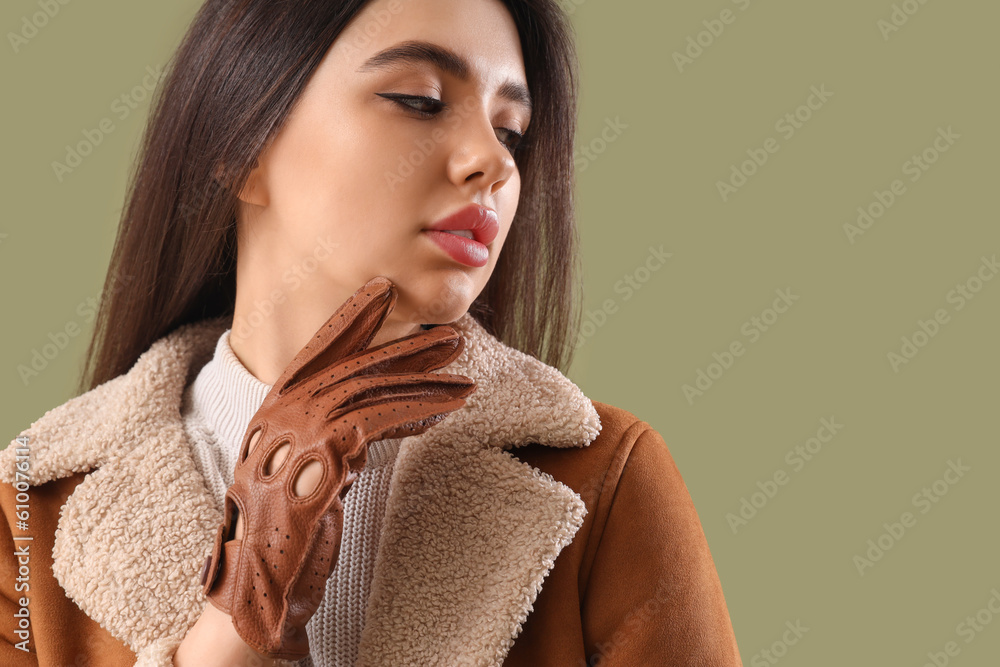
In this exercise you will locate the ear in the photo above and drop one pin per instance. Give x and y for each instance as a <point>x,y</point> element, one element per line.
<point>253,191</point>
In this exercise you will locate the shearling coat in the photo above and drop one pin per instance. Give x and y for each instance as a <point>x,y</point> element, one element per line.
<point>532,526</point>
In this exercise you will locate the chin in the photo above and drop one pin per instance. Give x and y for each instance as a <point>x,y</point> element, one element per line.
<point>439,313</point>
<point>441,304</point>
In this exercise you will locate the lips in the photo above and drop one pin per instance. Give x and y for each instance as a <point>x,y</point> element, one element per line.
<point>482,222</point>
<point>452,234</point>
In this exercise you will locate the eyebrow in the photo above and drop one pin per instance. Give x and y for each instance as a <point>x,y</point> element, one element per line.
<point>419,51</point>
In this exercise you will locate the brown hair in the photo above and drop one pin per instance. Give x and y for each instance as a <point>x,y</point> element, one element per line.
<point>227,91</point>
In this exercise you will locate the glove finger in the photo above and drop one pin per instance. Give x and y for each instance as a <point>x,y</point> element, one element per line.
<point>333,394</point>
<point>423,351</point>
<point>364,392</point>
<point>402,418</point>
<point>350,329</point>
<point>419,352</point>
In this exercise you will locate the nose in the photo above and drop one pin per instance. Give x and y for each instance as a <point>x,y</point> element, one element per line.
<point>478,156</point>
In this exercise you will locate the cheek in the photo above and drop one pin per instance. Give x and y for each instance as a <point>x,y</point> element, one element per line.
<point>306,173</point>
<point>363,167</point>
<point>501,239</point>
<point>328,172</point>
<point>509,202</point>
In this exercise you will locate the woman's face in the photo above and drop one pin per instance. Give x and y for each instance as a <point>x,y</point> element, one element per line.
<point>360,168</point>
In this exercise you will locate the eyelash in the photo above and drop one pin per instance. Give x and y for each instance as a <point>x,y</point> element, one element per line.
<point>440,106</point>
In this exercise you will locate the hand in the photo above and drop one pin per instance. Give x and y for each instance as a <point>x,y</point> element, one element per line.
<point>333,400</point>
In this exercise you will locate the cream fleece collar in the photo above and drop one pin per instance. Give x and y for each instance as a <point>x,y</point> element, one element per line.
<point>463,515</point>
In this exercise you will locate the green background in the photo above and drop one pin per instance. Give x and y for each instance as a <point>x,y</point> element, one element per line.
<point>655,185</point>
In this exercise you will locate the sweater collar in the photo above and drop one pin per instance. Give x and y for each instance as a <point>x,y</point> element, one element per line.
<point>456,497</point>
<point>226,395</point>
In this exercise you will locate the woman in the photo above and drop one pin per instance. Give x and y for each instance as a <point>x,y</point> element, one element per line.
<point>297,151</point>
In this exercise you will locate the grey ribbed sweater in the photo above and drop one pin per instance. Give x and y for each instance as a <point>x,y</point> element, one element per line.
<point>217,408</point>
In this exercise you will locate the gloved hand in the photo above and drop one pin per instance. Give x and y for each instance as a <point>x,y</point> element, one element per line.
<point>331,401</point>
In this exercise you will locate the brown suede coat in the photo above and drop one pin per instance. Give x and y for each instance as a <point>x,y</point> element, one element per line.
<point>531,527</point>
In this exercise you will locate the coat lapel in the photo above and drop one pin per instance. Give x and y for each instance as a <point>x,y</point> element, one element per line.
<point>130,534</point>
<point>469,534</point>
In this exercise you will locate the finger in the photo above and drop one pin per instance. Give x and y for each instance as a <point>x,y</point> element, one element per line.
<point>416,353</point>
<point>425,350</point>
<point>402,418</point>
<point>364,392</point>
<point>350,329</point>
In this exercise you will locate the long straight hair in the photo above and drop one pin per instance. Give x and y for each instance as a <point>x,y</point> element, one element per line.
<point>227,91</point>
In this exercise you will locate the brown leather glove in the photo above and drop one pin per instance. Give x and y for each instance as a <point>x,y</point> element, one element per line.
<point>331,401</point>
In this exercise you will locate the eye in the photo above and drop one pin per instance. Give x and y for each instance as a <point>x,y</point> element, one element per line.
<point>430,106</point>
<point>516,138</point>
<point>416,103</point>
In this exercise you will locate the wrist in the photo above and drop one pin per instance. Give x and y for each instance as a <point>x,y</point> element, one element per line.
<point>213,640</point>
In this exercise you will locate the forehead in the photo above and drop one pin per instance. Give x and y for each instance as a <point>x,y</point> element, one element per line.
<point>481,32</point>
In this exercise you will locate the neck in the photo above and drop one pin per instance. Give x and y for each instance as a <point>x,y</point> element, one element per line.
<point>271,325</point>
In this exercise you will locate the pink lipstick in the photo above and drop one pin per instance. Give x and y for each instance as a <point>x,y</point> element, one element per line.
<point>465,234</point>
